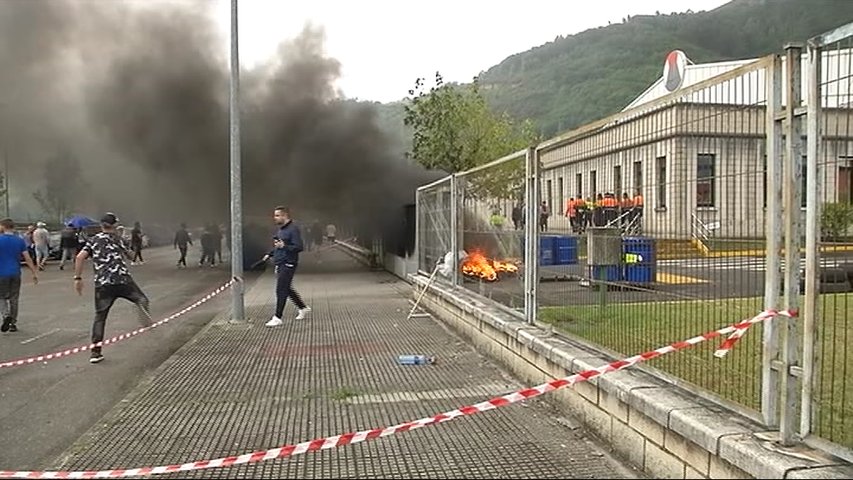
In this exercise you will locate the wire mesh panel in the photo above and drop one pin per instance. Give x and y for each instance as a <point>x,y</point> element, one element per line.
<point>652,227</point>
<point>434,224</point>
<point>491,218</point>
<point>832,392</point>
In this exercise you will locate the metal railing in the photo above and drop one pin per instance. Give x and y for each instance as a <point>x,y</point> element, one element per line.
<point>700,232</point>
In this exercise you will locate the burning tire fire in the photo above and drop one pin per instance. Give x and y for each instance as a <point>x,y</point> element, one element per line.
<point>477,266</point>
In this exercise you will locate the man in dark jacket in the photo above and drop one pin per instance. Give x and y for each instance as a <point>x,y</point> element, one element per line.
<point>182,239</point>
<point>208,247</point>
<point>287,243</point>
<point>69,244</point>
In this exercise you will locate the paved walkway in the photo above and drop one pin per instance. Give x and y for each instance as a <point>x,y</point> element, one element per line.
<point>238,388</point>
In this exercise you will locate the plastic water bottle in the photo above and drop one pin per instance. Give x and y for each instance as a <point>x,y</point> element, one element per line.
<point>415,360</point>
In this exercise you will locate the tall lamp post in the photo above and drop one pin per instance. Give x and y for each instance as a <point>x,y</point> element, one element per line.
<point>237,310</point>
<point>8,199</point>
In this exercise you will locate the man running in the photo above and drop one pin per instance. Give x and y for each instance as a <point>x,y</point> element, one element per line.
<point>112,279</point>
<point>288,243</point>
<point>12,248</point>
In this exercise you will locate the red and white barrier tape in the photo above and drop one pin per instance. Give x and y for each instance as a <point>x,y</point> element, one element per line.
<point>83,348</point>
<point>357,437</point>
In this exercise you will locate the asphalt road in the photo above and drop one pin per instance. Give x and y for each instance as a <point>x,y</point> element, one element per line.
<point>45,407</point>
<point>706,279</point>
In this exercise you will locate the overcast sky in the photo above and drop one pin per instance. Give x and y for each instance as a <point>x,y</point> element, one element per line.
<point>384,45</point>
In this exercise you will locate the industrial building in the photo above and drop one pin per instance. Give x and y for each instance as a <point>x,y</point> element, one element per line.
<point>697,154</point>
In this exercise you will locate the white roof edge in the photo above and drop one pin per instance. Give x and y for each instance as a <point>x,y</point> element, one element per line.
<point>643,94</point>
<point>692,66</point>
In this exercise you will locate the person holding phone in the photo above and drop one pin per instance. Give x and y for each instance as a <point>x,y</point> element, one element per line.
<point>287,243</point>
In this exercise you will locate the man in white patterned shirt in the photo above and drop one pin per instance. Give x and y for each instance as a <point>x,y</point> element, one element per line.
<point>112,279</point>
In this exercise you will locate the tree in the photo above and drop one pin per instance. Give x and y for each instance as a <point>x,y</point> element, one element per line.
<point>836,220</point>
<point>63,183</point>
<point>454,130</point>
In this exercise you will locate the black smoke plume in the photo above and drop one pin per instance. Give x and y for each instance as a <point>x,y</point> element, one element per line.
<point>138,91</point>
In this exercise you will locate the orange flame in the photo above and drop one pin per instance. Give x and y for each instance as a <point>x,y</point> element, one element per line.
<point>478,266</point>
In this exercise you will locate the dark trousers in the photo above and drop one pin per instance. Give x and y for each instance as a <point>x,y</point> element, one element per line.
<point>207,254</point>
<point>610,214</point>
<point>283,288</point>
<point>183,259</point>
<point>137,252</point>
<point>10,291</point>
<point>105,296</point>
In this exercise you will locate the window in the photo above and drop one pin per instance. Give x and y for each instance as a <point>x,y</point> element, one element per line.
<point>560,200</point>
<point>705,192</point>
<point>617,181</point>
<point>638,176</point>
<point>579,185</point>
<point>803,191</point>
<point>845,182</point>
<point>660,165</point>
<point>593,186</point>
<point>550,197</point>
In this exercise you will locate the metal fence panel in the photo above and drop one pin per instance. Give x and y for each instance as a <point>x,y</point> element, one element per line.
<point>669,239</point>
<point>434,225</point>
<point>491,218</point>
<point>828,305</point>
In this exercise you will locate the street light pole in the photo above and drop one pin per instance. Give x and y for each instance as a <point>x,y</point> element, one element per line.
<point>237,310</point>
<point>6,183</point>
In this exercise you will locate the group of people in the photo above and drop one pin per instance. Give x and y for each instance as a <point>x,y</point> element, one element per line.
<point>37,241</point>
<point>583,213</point>
<point>109,252</point>
<point>605,210</point>
<point>211,244</point>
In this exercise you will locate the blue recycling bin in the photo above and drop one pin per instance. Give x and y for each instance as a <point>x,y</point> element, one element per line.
<point>605,273</point>
<point>546,250</point>
<point>644,270</point>
<point>565,250</point>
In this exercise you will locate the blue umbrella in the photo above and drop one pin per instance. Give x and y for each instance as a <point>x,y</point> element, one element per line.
<point>80,221</point>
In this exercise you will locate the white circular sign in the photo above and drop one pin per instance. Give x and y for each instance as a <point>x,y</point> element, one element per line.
<point>673,70</point>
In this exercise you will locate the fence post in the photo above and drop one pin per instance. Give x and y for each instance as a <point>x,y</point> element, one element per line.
<point>772,282</point>
<point>813,213</point>
<point>454,226</point>
<point>531,234</point>
<point>418,212</point>
<point>793,239</point>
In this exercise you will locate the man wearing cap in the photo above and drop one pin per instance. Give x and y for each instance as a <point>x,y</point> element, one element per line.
<point>112,279</point>
<point>41,241</point>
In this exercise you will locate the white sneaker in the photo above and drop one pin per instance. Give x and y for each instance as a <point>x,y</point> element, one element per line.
<point>274,322</point>
<point>303,312</point>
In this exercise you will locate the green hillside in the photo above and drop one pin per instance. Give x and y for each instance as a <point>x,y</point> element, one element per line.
<point>584,77</point>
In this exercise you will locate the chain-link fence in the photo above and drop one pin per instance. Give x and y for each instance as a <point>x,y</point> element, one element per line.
<point>828,304</point>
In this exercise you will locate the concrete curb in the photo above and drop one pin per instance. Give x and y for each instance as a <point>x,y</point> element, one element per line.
<point>661,428</point>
